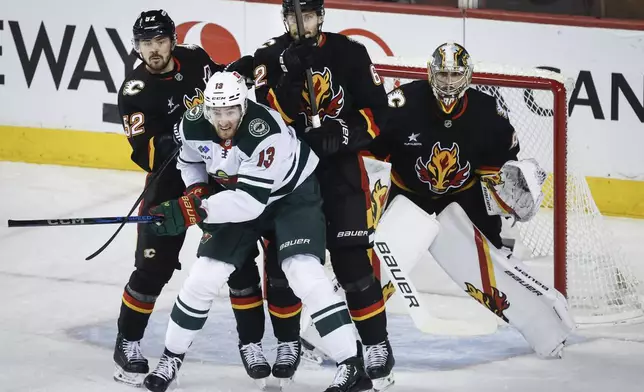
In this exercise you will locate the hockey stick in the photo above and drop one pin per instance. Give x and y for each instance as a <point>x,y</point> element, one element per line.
<point>151,181</point>
<point>84,221</point>
<point>315,117</point>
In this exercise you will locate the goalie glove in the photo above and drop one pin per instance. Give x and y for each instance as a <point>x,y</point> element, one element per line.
<point>515,191</point>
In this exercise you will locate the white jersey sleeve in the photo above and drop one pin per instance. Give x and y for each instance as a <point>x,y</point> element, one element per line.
<point>192,167</point>
<point>256,179</point>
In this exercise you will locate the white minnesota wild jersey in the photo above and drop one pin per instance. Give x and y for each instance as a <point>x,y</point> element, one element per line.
<point>263,162</point>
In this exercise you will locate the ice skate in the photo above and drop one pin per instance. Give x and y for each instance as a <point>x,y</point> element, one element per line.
<point>287,361</point>
<point>165,373</point>
<point>379,361</point>
<point>255,363</point>
<point>350,377</point>
<point>131,367</point>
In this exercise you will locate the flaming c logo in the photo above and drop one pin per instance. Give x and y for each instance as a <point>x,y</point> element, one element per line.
<point>497,302</point>
<point>329,102</point>
<point>443,170</point>
<point>378,199</point>
<point>191,102</point>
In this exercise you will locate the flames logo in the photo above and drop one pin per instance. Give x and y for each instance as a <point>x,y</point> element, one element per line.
<point>195,100</point>
<point>443,170</point>
<point>388,290</point>
<point>497,302</point>
<point>329,103</point>
<point>378,199</point>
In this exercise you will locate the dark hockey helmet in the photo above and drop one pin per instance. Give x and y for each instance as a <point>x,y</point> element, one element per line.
<point>450,74</point>
<point>288,6</point>
<point>153,23</point>
<point>288,11</point>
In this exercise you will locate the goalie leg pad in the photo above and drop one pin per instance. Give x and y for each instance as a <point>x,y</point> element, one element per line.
<point>504,286</point>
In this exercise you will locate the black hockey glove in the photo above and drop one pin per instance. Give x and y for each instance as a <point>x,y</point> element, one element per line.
<point>332,137</point>
<point>298,57</point>
<point>245,67</point>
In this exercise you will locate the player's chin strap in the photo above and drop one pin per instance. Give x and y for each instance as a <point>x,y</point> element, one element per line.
<point>515,191</point>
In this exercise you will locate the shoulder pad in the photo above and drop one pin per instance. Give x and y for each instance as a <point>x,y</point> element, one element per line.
<point>194,114</point>
<point>258,124</point>
<point>195,125</point>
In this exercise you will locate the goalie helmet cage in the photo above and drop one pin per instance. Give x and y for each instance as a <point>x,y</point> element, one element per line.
<point>589,266</point>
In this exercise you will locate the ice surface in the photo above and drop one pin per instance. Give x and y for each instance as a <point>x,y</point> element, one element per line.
<point>59,311</point>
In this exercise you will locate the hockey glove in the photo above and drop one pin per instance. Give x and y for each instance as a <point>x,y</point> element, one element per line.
<point>298,57</point>
<point>331,138</point>
<point>178,215</point>
<point>200,189</point>
<point>243,66</point>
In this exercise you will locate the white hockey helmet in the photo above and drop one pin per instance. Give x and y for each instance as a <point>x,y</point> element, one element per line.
<point>226,89</point>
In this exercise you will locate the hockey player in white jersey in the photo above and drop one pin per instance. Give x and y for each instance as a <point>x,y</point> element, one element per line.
<point>269,191</point>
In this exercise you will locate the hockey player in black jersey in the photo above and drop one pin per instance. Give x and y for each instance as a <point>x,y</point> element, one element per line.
<point>442,138</point>
<point>152,99</point>
<point>351,102</point>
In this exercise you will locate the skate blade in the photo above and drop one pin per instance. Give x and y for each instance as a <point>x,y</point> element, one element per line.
<point>382,384</point>
<point>260,383</point>
<point>285,383</point>
<point>132,379</point>
<point>364,385</point>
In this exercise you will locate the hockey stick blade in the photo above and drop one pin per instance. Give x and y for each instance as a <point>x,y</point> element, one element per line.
<point>151,181</point>
<point>83,221</point>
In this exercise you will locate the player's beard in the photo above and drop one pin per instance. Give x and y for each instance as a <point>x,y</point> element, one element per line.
<point>227,133</point>
<point>157,63</point>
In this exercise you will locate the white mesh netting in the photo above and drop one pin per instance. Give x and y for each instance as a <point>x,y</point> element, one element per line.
<point>601,286</point>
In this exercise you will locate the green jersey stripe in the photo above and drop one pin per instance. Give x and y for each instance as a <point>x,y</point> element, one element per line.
<point>260,194</point>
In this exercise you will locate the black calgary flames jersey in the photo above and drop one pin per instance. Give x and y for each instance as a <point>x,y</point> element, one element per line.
<point>151,104</point>
<point>347,86</point>
<point>435,154</point>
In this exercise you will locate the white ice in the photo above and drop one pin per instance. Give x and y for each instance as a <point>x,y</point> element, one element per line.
<point>59,311</point>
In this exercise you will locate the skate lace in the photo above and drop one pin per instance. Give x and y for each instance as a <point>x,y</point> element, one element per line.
<point>132,350</point>
<point>167,367</point>
<point>376,355</point>
<point>341,376</point>
<point>253,354</point>
<point>287,353</point>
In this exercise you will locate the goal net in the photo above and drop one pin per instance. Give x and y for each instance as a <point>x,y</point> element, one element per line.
<point>568,233</point>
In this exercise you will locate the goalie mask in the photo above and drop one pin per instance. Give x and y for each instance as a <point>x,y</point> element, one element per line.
<point>154,39</point>
<point>312,17</point>
<point>450,74</point>
<point>225,103</point>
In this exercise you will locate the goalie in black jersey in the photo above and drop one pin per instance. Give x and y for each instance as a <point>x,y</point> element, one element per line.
<point>152,99</point>
<point>453,152</point>
<point>450,143</point>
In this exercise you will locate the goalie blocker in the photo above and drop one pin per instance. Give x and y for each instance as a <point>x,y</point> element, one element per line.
<point>503,285</point>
